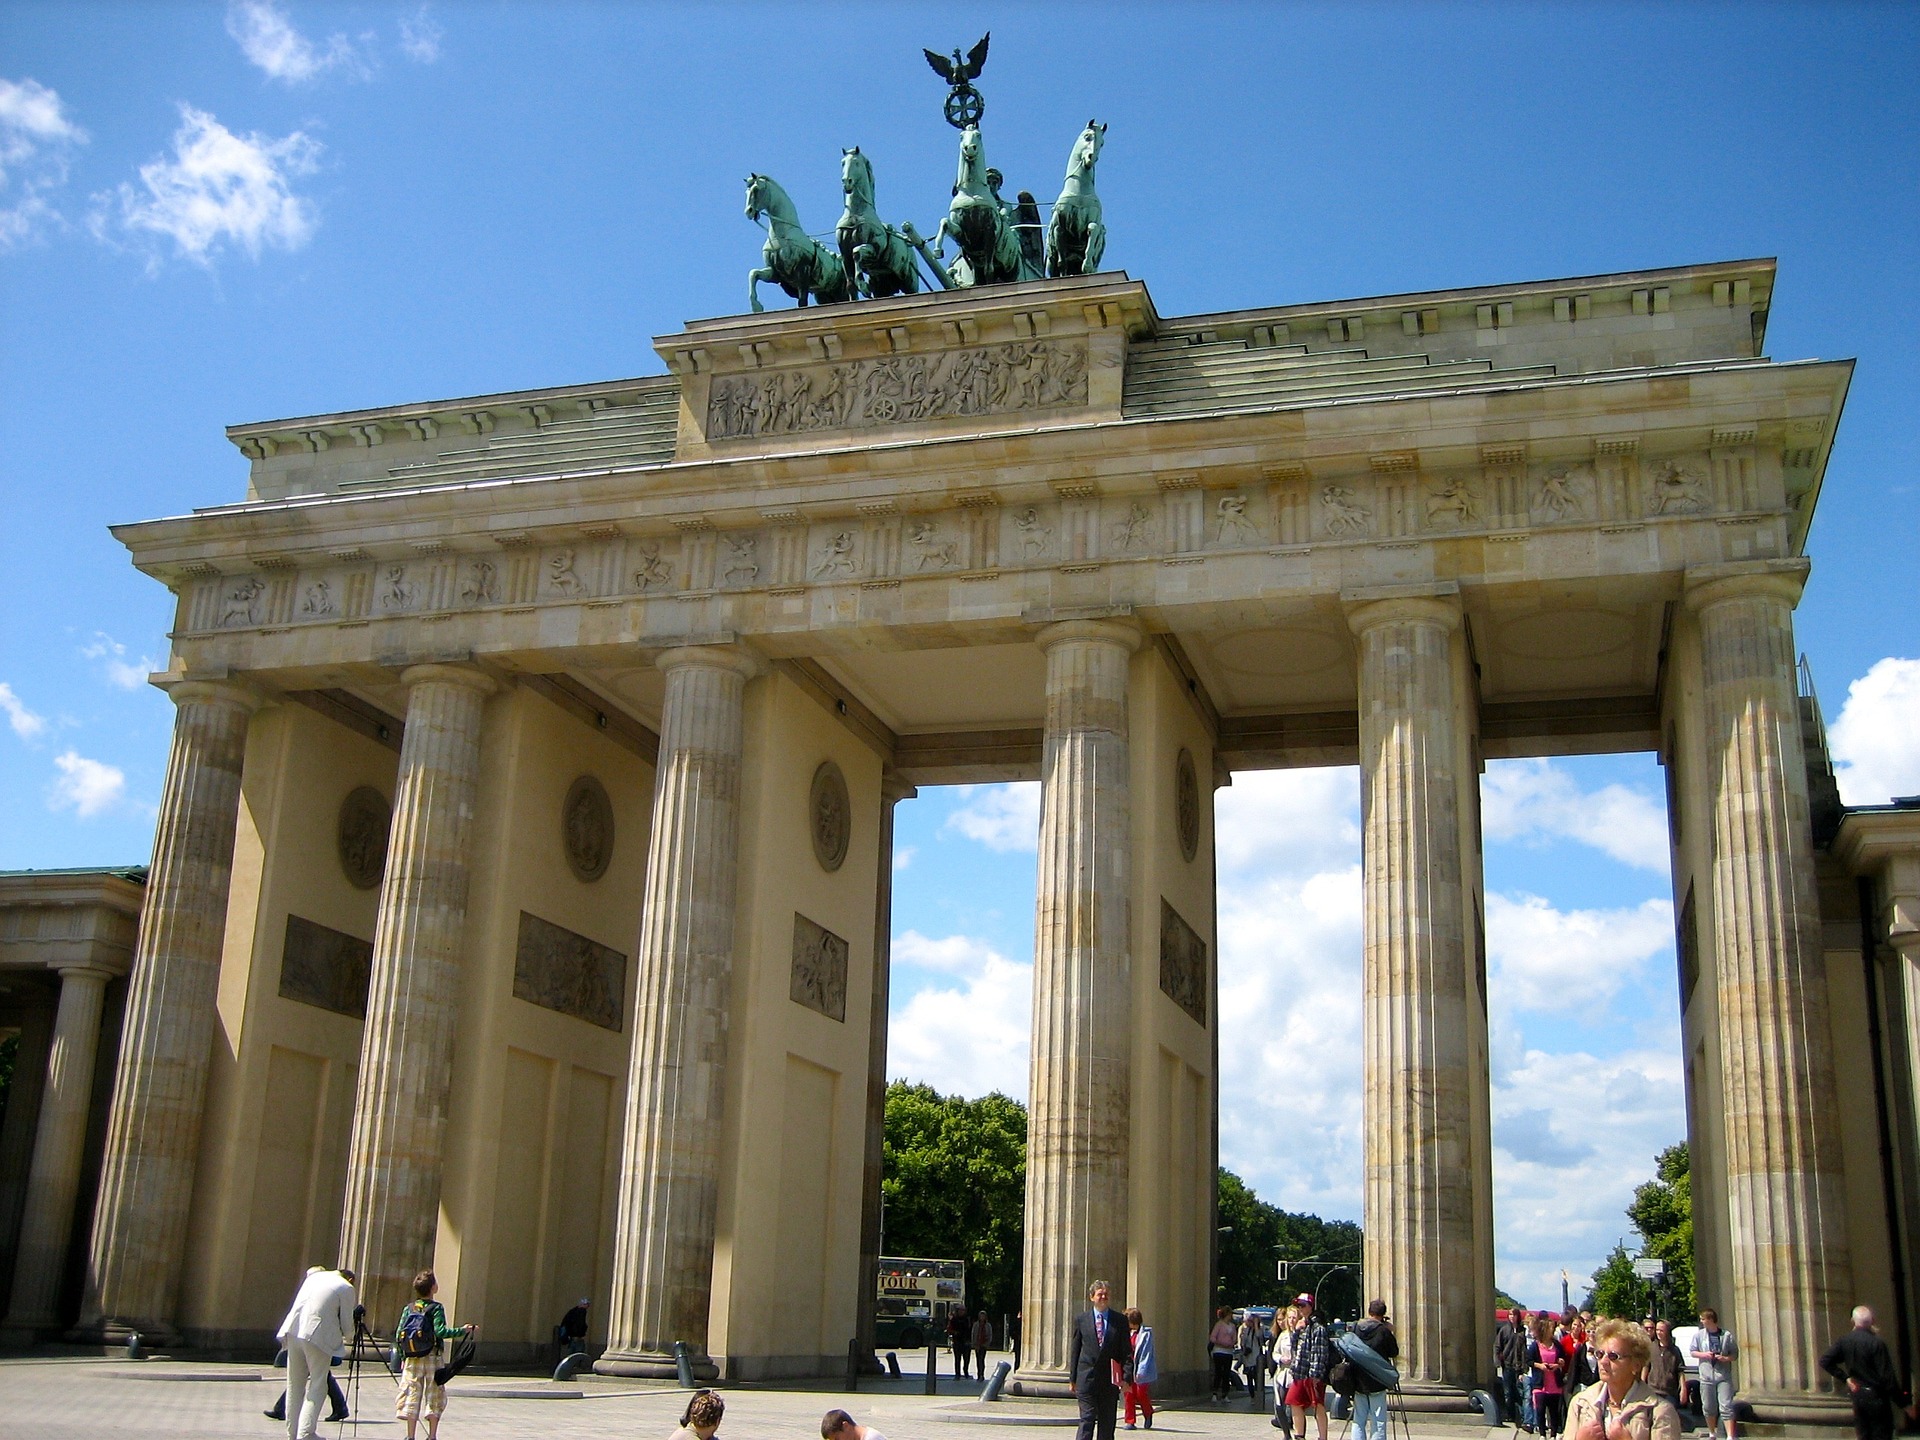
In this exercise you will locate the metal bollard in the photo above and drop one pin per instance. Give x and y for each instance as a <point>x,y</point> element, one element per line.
<point>683,1362</point>
<point>570,1363</point>
<point>991,1390</point>
<point>853,1363</point>
<point>133,1344</point>
<point>893,1366</point>
<point>933,1366</point>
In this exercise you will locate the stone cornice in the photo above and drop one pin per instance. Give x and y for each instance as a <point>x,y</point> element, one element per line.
<point>1791,407</point>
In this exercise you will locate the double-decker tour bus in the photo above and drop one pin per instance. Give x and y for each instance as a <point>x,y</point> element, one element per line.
<point>914,1299</point>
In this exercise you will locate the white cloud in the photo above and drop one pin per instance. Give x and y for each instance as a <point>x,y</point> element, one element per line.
<point>1575,1134</point>
<point>127,674</point>
<point>270,41</point>
<point>85,786</point>
<point>25,723</point>
<point>217,187</point>
<point>1001,817</point>
<point>1541,958</point>
<point>903,856</point>
<point>1534,801</point>
<point>1876,740</point>
<point>36,141</point>
<point>968,1037</point>
<point>420,37</point>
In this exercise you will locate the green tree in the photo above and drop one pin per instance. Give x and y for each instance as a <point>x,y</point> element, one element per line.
<point>9,1051</point>
<point>955,1186</point>
<point>1662,1211</point>
<point>1254,1235</point>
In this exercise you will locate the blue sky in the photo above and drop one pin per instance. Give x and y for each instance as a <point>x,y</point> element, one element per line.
<point>215,213</point>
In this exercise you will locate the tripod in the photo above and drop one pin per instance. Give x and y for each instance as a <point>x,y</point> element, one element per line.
<point>364,1347</point>
<point>1396,1416</point>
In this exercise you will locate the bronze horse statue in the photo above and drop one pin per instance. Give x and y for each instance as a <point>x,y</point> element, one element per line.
<point>798,263</point>
<point>979,222</point>
<point>1076,235</point>
<point>878,258</point>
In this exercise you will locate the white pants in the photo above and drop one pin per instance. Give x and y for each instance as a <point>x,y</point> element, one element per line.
<point>306,1387</point>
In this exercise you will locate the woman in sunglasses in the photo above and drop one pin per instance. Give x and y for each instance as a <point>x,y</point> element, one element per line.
<point>1622,1406</point>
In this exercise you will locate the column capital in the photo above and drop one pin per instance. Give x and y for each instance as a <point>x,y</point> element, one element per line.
<point>1111,632</point>
<point>449,673</point>
<point>1782,580</point>
<point>1374,605</point>
<point>85,970</point>
<point>893,788</point>
<point>236,693</point>
<point>740,661</point>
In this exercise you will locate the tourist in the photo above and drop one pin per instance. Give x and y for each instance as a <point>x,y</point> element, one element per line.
<point>420,1336</point>
<point>1100,1360</point>
<point>1370,1395</point>
<point>315,1332</point>
<point>1510,1362</point>
<point>1249,1355</point>
<point>702,1417</point>
<point>1282,1357</point>
<point>957,1336</point>
<point>839,1425</point>
<point>982,1342</point>
<point>573,1329</point>
<point>1220,1345</point>
<point>1581,1371</point>
<point>1861,1358</point>
<point>1714,1351</point>
<point>1146,1369</point>
<point>1667,1370</point>
<point>1549,1365</point>
<point>1013,1338</point>
<point>1620,1405</point>
<point>1307,1394</point>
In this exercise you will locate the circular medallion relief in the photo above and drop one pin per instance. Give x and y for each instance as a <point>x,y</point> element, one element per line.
<point>586,828</point>
<point>829,815</point>
<point>364,818</point>
<point>1186,804</point>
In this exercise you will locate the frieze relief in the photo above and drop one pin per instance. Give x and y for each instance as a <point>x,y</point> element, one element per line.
<point>561,971</point>
<point>819,976</point>
<point>899,389</point>
<point>979,536</point>
<point>1183,964</point>
<point>325,968</point>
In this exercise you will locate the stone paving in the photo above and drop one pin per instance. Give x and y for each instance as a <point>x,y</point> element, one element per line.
<point>71,1398</point>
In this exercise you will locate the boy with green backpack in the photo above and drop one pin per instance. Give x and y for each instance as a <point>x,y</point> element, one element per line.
<point>417,1339</point>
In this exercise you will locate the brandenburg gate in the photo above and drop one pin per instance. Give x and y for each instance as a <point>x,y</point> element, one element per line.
<point>519,904</point>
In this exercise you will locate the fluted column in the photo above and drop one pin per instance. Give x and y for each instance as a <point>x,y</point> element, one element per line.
<point>1079,1090</point>
<point>670,1163</point>
<point>160,1087</point>
<point>394,1165</point>
<point>1417,1101</point>
<point>1792,1283</point>
<point>892,790</point>
<point>59,1145</point>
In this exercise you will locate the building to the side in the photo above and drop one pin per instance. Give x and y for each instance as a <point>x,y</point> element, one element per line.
<point>519,902</point>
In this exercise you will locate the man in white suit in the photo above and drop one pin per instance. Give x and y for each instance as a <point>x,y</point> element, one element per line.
<point>315,1331</point>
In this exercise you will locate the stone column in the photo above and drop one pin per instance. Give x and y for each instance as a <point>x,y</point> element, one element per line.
<point>392,1209</point>
<point>670,1163</point>
<point>1786,1205</point>
<point>160,1086</point>
<point>892,790</point>
<point>1079,1093</point>
<point>59,1144</point>
<point>1417,1100</point>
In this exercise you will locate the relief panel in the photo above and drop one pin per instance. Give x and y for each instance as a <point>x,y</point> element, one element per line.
<point>819,979</point>
<point>326,968</point>
<point>559,970</point>
<point>1183,964</point>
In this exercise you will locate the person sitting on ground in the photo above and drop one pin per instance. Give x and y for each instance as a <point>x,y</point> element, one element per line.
<point>420,1335</point>
<point>1620,1405</point>
<point>701,1418</point>
<point>839,1425</point>
<point>573,1329</point>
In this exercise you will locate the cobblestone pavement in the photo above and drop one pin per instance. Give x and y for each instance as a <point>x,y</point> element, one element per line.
<point>71,1398</point>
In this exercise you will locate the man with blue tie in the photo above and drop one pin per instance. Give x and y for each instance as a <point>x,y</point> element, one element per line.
<point>1100,1361</point>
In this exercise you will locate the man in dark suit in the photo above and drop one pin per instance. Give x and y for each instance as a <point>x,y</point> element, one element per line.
<point>1100,1361</point>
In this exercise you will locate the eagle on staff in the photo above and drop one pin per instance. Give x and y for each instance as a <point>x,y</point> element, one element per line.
<point>965,105</point>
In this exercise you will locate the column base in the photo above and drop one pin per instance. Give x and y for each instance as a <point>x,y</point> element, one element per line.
<point>1052,1384</point>
<point>1431,1397</point>
<point>19,1337</point>
<point>654,1365</point>
<point>1795,1407</point>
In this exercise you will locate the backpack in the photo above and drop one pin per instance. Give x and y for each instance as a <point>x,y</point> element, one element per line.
<point>1344,1378</point>
<point>415,1335</point>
